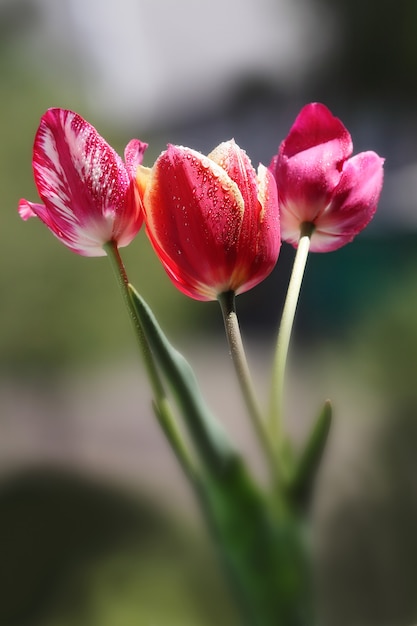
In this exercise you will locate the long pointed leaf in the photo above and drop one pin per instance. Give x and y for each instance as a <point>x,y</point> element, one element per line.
<point>206,432</point>
<point>304,473</point>
<point>261,544</point>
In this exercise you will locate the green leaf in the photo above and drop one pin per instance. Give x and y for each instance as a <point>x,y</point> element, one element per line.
<point>260,540</point>
<point>208,436</point>
<point>263,546</point>
<point>304,471</point>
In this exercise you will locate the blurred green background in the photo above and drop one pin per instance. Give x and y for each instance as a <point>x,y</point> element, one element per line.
<point>97,523</point>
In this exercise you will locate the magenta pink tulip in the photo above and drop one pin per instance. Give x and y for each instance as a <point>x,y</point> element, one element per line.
<point>321,184</point>
<point>90,195</point>
<point>213,221</point>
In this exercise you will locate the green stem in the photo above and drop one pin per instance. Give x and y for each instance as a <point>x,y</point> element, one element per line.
<point>237,351</point>
<point>162,408</point>
<point>284,334</point>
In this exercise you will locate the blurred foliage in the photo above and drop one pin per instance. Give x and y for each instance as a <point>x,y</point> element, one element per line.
<point>75,553</point>
<point>376,51</point>
<point>57,308</point>
<point>369,554</point>
<point>368,564</point>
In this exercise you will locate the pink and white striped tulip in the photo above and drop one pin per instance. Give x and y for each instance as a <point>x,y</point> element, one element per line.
<point>212,220</point>
<point>90,195</point>
<point>321,184</point>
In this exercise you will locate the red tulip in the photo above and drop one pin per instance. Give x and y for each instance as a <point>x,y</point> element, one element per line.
<point>90,195</point>
<point>213,221</point>
<point>321,184</point>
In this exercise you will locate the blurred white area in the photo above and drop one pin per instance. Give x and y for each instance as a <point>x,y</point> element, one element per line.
<point>149,60</point>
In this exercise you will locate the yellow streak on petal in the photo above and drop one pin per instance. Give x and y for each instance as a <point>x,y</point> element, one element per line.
<point>219,154</point>
<point>143,175</point>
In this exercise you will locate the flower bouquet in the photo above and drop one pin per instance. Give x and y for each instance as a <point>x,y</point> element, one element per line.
<point>216,225</point>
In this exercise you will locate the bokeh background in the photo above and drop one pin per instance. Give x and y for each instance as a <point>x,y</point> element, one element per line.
<point>97,524</point>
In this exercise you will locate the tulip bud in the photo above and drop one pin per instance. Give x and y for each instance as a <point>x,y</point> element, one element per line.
<point>212,220</point>
<point>90,195</point>
<point>321,184</point>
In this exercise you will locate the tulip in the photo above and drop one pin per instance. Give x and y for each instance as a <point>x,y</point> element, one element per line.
<point>212,220</point>
<point>89,194</point>
<point>321,187</point>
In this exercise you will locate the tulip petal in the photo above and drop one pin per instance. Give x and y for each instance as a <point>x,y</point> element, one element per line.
<point>259,242</point>
<point>28,209</point>
<point>310,160</point>
<point>194,214</point>
<point>269,227</point>
<point>353,204</point>
<point>258,255</point>
<point>237,165</point>
<point>134,152</point>
<point>143,176</point>
<point>315,127</point>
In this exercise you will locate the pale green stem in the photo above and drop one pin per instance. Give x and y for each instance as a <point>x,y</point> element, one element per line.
<point>162,406</point>
<point>284,334</point>
<point>237,352</point>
